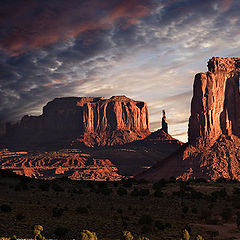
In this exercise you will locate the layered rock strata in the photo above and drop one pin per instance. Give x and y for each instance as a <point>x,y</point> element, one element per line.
<point>213,144</point>
<point>92,121</point>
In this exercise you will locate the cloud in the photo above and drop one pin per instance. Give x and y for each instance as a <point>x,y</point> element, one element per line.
<point>38,24</point>
<point>148,50</point>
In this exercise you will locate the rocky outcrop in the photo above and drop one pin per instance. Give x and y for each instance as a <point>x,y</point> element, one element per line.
<point>164,122</point>
<point>216,97</point>
<point>88,120</point>
<point>214,128</point>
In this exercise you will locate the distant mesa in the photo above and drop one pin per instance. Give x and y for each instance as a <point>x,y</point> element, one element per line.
<point>213,144</point>
<point>92,121</point>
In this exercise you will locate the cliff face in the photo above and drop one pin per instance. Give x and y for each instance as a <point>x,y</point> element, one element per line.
<point>214,128</point>
<point>93,121</point>
<point>214,109</point>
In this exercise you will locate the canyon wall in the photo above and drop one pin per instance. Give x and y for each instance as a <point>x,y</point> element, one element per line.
<point>212,151</point>
<point>215,103</point>
<point>87,119</point>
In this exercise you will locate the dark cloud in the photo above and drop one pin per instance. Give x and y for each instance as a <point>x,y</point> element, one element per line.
<point>62,48</point>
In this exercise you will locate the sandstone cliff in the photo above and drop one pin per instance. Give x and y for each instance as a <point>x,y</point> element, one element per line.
<point>216,97</point>
<point>214,128</point>
<point>88,120</point>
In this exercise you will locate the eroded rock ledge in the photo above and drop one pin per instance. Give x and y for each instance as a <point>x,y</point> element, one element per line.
<point>88,120</point>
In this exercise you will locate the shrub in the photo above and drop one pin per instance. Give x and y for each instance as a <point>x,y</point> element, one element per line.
<point>226,214</point>
<point>5,208</point>
<point>21,186</point>
<point>143,192</point>
<point>105,191</point>
<point>158,193</point>
<point>145,219</point>
<point>78,190</point>
<point>57,188</point>
<point>213,233</point>
<point>37,229</point>
<point>87,235</point>
<point>185,235</point>
<point>185,209</point>
<point>199,237</point>
<point>146,229</point>
<point>221,194</point>
<point>159,225</point>
<point>44,186</point>
<point>120,211</point>
<point>20,217</point>
<point>127,183</point>
<point>57,212</point>
<point>61,231</point>
<point>238,219</point>
<point>82,210</point>
<point>143,238</point>
<point>160,184</point>
<point>126,236</point>
<point>134,192</point>
<point>121,191</point>
<point>14,237</point>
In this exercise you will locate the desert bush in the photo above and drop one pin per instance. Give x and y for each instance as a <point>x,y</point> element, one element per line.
<point>159,225</point>
<point>146,229</point>
<point>121,191</point>
<point>57,188</point>
<point>61,231</point>
<point>127,183</point>
<point>145,219</point>
<point>105,191</point>
<point>238,219</point>
<point>126,236</point>
<point>160,184</point>
<point>226,214</point>
<point>87,235</point>
<point>142,238</point>
<point>14,237</point>
<point>194,210</point>
<point>78,190</point>
<point>185,209</point>
<point>168,225</point>
<point>220,194</point>
<point>57,212</point>
<point>185,234</point>
<point>82,210</point>
<point>120,211</point>
<point>37,229</point>
<point>20,217</point>
<point>134,192</point>
<point>212,233</point>
<point>5,208</point>
<point>158,193</point>
<point>21,186</point>
<point>44,186</point>
<point>143,192</point>
<point>205,214</point>
<point>199,237</point>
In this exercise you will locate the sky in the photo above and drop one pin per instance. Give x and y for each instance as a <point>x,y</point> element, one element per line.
<point>148,50</point>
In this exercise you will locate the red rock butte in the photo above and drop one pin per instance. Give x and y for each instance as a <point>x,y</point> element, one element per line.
<point>89,120</point>
<point>214,128</point>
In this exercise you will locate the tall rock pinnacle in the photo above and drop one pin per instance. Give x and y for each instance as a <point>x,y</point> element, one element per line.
<point>212,150</point>
<point>164,122</point>
<point>215,103</point>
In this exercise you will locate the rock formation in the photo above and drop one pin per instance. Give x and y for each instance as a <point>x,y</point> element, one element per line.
<point>88,120</point>
<point>164,122</point>
<point>213,144</point>
<point>216,97</point>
